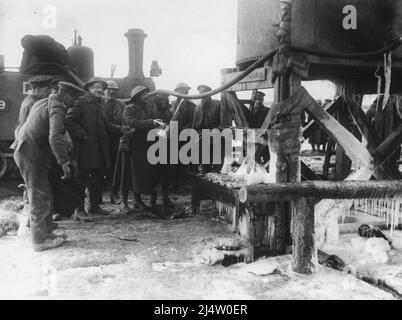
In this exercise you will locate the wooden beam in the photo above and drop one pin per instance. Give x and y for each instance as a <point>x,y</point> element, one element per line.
<point>389,145</point>
<point>232,111</point>
<point>364,125</point>
<point>343,164</point>
<point>321,190</point>
<point>332,107</point>
<point>307,173</point>
<point>352,147</point>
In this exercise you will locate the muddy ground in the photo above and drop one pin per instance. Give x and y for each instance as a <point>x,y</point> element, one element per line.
<point>164,259</point>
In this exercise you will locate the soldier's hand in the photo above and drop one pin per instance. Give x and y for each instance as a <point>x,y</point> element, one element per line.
<point>67,171</point>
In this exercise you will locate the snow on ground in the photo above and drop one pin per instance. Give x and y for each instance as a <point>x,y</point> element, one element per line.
<point>161,264</point>
<point>164,263</point>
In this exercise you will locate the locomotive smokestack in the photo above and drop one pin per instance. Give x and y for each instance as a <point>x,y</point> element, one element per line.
<point>136,39</point>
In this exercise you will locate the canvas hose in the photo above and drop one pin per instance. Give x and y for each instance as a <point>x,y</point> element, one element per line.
<point>240,77</point>
<point>363,55</point>
<point>394,44</point>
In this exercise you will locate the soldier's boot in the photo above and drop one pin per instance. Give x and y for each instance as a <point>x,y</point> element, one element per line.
<point>125,209</point>
<point>167,203</point>
<point>57,235</point>
<point>138,203</point>
<point>153,210</point>
<point>50,243</point>
<point>114,196</point>
<point>82,215</point>
<point>152,202</point>
<point>97,211</point>
<point>94,195</point>
<point>57,217</point>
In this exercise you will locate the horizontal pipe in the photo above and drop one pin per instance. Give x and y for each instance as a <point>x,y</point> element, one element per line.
<point>320,190</point>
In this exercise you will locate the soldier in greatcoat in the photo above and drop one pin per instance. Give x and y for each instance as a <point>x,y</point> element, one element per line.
<point>139,116</point>
<point>114,109</point>
<point>207,116</point>
<point>89,128</point>
<point>183,113</point>
<point>40,89</point>
<point>41,137</point>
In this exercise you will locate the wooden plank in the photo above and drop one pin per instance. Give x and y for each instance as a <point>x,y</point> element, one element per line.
<point>257,80</point>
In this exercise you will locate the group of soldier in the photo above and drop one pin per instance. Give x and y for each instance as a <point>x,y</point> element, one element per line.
<point>88,134</point>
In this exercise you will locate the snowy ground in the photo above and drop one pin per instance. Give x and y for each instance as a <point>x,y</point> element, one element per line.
<point>163,263</point>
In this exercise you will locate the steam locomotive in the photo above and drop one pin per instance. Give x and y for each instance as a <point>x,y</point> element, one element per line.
<point>74,64</point>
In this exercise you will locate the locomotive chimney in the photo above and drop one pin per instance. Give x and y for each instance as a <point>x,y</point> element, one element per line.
<point>136,39</point>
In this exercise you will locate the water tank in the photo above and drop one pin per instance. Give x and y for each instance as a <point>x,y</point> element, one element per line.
<point>82,59</point>
<point>318,25</point>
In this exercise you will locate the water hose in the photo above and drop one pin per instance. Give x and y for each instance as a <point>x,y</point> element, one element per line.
<point>240,77</point>
<point>396,43</point>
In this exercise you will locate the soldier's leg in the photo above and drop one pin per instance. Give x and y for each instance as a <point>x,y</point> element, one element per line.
<point>125,181</point>
<point>80,214</point>
<point>84,179</point>
<point>114,163</point>
<point>39,196</point>
<point>95,191</point>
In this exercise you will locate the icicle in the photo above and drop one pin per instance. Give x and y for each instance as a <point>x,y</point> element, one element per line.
<point>387,76</point>
<point>392,216</point>
<point>366,206</point>
<point>387,214</point>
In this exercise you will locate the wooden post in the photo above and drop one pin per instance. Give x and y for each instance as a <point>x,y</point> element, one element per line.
<point>283,88</point>
<point>305,257</point>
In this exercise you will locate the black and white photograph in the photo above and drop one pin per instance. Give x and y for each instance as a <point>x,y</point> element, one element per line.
<point>201,155</point>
